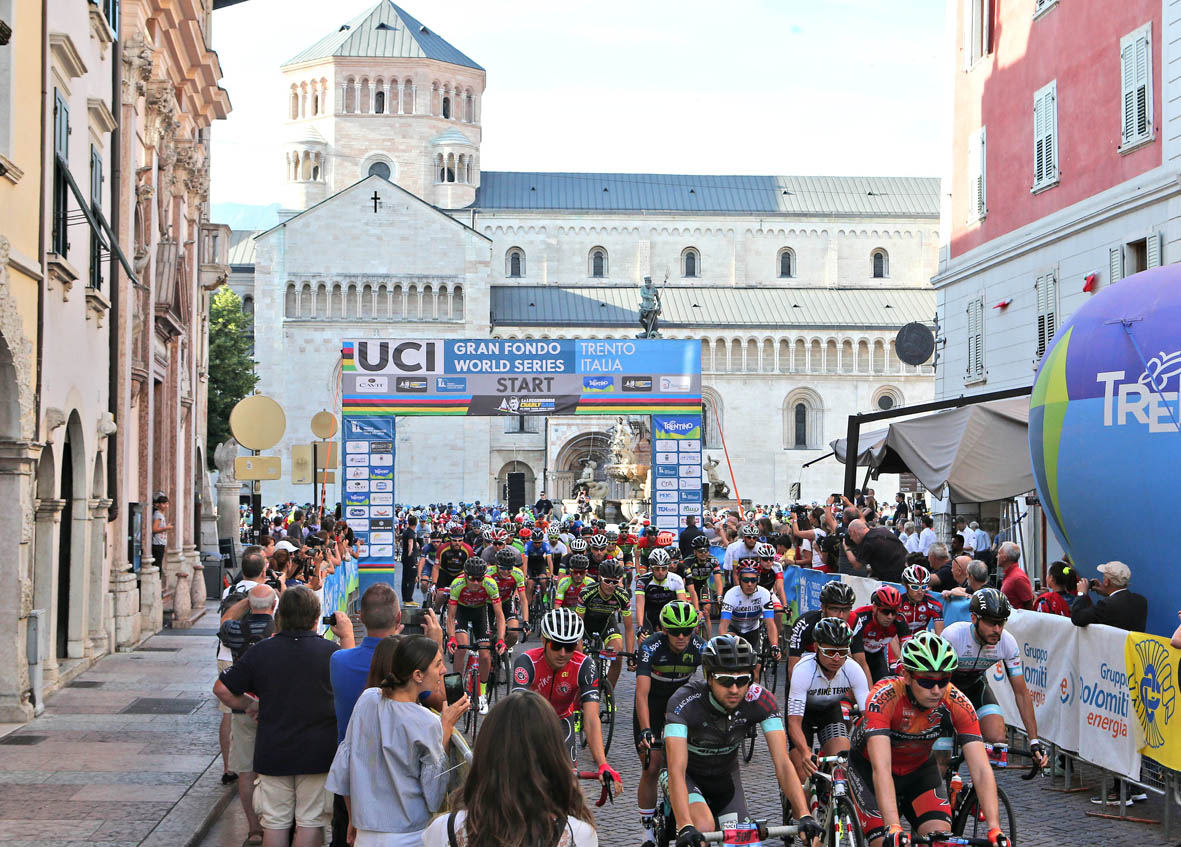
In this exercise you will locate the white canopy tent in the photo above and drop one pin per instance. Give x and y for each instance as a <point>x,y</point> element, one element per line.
<point>979,452</point>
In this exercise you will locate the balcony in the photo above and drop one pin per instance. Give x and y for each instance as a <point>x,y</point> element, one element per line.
<point>215,255</point>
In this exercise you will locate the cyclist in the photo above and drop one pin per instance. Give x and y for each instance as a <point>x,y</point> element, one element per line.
<point>449,562</point>
<point>743,548</point>
<point>557,548</point>
<point>703,578</point>
<point>771,578</point>
<point>892,767</point>
<point>706,722</point>
<point>836,601</point>
<point>537,554</point>
<point>600,606</point>
<point>746,608</point>
<point>918,609</point>
<point>471,596</point>
<point>576,581</point>
<point>576,546</point>
<point>665,662</point>
<point>818,684</point>
<point>510,580</point>
<point>497,541</point>
<point>568,679</point>
<point>656,588</point>
<point>875,628</point>
<point>426,561</point>
<point>979,645</point>
<point>598,552</point>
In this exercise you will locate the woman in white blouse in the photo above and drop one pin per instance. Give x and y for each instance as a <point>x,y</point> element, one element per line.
<point>392,766</point>
<point>521,791</point>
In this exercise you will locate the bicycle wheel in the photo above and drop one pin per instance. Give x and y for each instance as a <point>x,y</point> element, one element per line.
<point>844,828</point>
<point>471,717</point>
<point>969,818</point>
<point>748,744</point>
<point>607,714</point>
<point>662,823</point>
<point>770,672</point>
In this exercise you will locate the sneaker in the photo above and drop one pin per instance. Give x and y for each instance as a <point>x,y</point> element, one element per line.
<point>483,704</point>
<point>1112,799</point>
<point>1138,797</point>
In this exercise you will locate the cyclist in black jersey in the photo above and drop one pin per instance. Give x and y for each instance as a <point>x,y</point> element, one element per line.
<point>836,601</point>
<point>703,579</point>
<point>450,563</point>
<point>655,588</point>
<point>600,607</point>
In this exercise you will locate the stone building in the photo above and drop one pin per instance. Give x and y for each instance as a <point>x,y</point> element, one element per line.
<point>796,286</point>
<point>98,291</point>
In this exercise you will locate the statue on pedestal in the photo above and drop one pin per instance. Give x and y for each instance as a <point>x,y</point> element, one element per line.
<point>717,488</point>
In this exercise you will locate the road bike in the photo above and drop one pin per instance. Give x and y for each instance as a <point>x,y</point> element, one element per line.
<point>608,708</point>
<point>967,816</point>
<point>832,805</point>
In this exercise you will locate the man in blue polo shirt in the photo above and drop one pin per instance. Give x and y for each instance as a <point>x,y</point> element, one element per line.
<point>382,617</point>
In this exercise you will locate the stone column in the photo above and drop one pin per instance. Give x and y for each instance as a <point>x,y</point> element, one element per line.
<point>17,464</point>
<point>48,538</point>
<point>128,621</point>
<point>357,97</point>
<point>182,597</point>
<point>99,576</point>
<point>78,646</point>
<point>373,97</point>
<point>151,602</point>
<point>196,586</point>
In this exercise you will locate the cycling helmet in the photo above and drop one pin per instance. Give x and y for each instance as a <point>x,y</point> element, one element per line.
<point>554,532</point>
<point>455,531</point>
<point>561,625</point>
<point>598,541</point>
<point>612,535</point>
<point>526,533</point>
<point>991,604</point>
<point>700,542</point>
<point>678,615</point>
<point>929,653</point>
<point>665,539</point>
<point>763,550</point>
<point>499,536</point>
<point>832,631</point>
<point>749,531</point>
<point>727,653</point>
<point>577,545</point>
<point>600,524</point>
<point>487,533</point>
<point>475,567</point>
<point>915,575</point>
<point>745,568</point>
<point>837,593</point>
<point>611,569</point>
<point>505,559</point>
<point>886,597</point>
<point>578,562</point>
<point>659,558</point>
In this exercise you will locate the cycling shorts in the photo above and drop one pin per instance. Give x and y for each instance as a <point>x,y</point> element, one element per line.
<point>475,620</point>
<point>608,628</point>
<point>825,723</point>
<point>921,796</point>
<point>656,709</point>
<point>721,792</point>
<point>534,570</point>
<point>879,666</point>
<point>754,638</point>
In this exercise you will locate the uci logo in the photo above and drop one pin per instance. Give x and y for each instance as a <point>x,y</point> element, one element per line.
<point>1153,689</point>
<point>407,357</point>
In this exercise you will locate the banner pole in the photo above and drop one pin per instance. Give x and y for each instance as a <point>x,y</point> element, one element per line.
<point>722,435</point>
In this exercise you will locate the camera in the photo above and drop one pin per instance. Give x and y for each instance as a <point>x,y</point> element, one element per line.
<point>413,618</point>
<point>328,621</point>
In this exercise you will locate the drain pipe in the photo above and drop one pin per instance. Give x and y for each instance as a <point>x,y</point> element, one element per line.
<point>114,331</point>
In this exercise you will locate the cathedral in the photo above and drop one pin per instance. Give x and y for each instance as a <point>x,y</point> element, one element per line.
<point>390,228</point>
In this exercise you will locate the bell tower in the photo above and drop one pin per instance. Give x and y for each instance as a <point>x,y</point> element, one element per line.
<point>384,95</point>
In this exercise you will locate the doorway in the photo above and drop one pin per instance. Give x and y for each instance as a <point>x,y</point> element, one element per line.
<point>63,549</point>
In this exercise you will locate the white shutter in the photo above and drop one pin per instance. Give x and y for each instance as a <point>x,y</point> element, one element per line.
<point>1115,264</point>
<point>975,364</point>
<point>1152,250</point>
<point>1047,311</point>
<point>1045,136</point>
<point>977,204</point>
<point>1136,85</point>
<point>981,178</point>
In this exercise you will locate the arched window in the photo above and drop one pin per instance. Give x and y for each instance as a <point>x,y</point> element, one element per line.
<point>248,303</point>
<point>457,303</point>
<point>379,103</point>
<point>787,263</point>
<point>294,104</point>
<point>712,411</point>
<point>802,420</point>
<point>408,98</point>
<point>598,263</point>
<point>887,397</point>
<point>446,107</point>
<point>380,169</point>
<point>800,426</point>
<point>690,263</point>
<point>440,169</point>
<point>881,264</point>
<point>468,180</point>
<point>514,263</point>
<point>450,168</point>
<point>315,173</point>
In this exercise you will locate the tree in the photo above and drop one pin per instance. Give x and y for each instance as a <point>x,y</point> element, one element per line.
<point>231,367</point>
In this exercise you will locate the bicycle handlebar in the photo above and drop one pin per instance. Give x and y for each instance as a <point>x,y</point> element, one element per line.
<point>1034,768</point>
<point>764,833</point>
<point>608,792</point>
<point>946,839</point>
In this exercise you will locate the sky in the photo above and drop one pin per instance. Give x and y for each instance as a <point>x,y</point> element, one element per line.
<point>801,87</point>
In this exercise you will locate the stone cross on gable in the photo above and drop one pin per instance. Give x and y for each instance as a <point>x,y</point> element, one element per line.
<point>376,198</point>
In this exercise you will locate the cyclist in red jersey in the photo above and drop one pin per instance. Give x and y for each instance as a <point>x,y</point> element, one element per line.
<point>919,609</point>
<point>874,629</point>
<point>892,769</point>
<point>569,680</point>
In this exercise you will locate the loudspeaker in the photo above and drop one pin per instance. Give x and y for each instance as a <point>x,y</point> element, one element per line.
<point>516,492</point>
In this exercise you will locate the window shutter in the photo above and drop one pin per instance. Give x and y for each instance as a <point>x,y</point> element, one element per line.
<point>1136,83</point>
<point>977,155</point>
<point>1152,249</point>
<point>1045,136</point>
<point>1142,70</point>
<point>975,365</point>
<point>1039,130</point>
<point>1115,264</point>
<point>1047,311</point>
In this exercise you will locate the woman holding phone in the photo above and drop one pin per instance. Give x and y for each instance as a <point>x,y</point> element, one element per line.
<point>392,766</point>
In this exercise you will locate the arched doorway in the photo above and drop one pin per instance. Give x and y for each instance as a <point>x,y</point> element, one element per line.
<point>64,543</point>
<point>573,459</point>
<point>73,545</point>
<point>530,482</point>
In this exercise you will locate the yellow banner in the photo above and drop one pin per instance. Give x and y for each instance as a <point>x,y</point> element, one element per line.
<point>1154,674</point>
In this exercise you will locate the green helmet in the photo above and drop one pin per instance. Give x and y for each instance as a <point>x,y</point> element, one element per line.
<point>929,653</point>
<point>678,615</point>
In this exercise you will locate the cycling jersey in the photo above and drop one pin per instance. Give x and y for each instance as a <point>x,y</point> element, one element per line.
<point>509,584</point>
<point>597,610</point>
<point>474,593</point>
<point>567,689</point>
<point>451,561</point>
<point>699,572</point>
<point>769,577</point>
<point>714,735</point>
<point>569,593</point>
<point>976,658</point>
<point>811,689</point>
<point>871,637</point>
<point>658,593</point>
<point>535,553</point>
<point>801,633</point>
<point>921,614</point>
<point>746,611</point>
<point>912,731</point>
<point>667,669</point>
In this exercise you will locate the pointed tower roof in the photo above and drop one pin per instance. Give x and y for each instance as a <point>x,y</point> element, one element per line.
<point>386,31</point>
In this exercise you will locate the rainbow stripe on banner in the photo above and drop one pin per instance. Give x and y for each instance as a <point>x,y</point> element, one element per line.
<point>384,406</point>
<point>346,356</point>
<point>639,406</point>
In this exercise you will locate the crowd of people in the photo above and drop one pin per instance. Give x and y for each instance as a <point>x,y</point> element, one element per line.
<point>357,743</point>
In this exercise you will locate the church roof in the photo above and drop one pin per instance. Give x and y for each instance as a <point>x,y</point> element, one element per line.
<point>709,307</point>
<point>451,136</point>
<point>386,31</point>
<point>853,196</point>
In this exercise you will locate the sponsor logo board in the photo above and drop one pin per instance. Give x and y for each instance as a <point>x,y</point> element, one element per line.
<point>637,383</point>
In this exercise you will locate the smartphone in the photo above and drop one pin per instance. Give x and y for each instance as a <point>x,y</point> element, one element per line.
<point>453,685</point>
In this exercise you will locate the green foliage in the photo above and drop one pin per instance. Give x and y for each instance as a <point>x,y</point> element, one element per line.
<point>231,368</point>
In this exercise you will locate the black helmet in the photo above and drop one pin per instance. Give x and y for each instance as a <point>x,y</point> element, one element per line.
<point>832,631</point>
<point>577,562</point>
<point>475,567</point>
<point>505,558</point>
<point>700,542</point>
<point>610,569</point>
<point>837,593</point>
<point>991,604</point>
<point>728,653</point>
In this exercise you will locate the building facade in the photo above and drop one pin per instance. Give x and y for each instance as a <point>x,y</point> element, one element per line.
<point>796,286</point>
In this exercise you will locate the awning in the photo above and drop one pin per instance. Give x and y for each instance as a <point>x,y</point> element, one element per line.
<point>981,452</point>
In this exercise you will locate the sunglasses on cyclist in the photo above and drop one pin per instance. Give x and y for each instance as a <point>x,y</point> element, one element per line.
<point>499,543</point>
<point>890,612</point>
<point>660,567</point>
<point>688,630</point>
<point>561,647</point>
<point>930,682</point>
<point>832,652</point>
<point>749,579</point>
<point>609,581</point>
<point>733,680</point>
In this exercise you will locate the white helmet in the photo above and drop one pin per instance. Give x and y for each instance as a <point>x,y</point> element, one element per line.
<point>562,625</point>
<point>659,558</point>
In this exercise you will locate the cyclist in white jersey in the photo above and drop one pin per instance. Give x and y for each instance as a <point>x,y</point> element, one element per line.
<point>746,608</point>
<point>819,683</point>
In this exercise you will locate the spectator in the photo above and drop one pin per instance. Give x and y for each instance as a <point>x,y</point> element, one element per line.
<point>1015,582</point>
<point>295,528</point>
<point>290,695</point>
<point>909,538</point>
<point>1121,608</point>
<point>901,510</point>
<point>1059,599</point>
<point>927,536</point>
<point>543,507</point>
<point>409,556</point>
<point>957,546</point>
<point>968,576</point>
<point>981,542</point>
<point>391,767</point>
<point>968,536</point>
<point>244,624</point>
<point>939,564</point>
<point>540,804</point>
<point>879,549</point>
<point>707,527</point>
<point>685,540</point>
<point>160,528</point>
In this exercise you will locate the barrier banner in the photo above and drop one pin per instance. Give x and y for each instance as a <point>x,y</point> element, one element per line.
<point>1105,703</point>
<point>810,583</point>
<point>1153,667</point>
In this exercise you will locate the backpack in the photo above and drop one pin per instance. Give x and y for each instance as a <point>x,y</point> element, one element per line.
<point>236,594</point>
